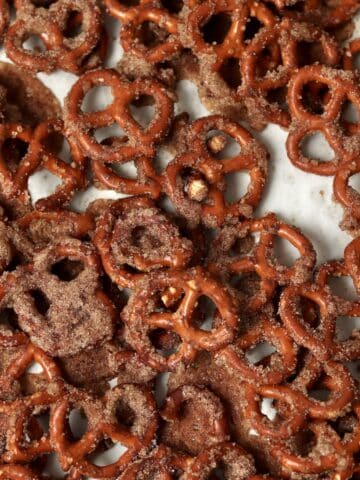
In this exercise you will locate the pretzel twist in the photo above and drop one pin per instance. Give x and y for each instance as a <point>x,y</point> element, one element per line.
<point>141,318</point>
<point>342,88</point>
<point>138,141</point>
<point>53,26</point>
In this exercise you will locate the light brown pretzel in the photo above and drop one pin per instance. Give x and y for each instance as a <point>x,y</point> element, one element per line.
<point>40,293</point>
<point>194,419</point>
<point>54,27</point>
<point>133,234</point>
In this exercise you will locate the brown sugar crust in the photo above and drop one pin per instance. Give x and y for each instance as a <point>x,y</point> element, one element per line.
<point>134,237</point>
<point>63,46</point>
<point>194,419</point>
<point>38,298</point>
<point>26,99</point>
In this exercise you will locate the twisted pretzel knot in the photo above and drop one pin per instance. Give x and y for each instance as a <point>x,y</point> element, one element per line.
<point>101,414</point>
<point>39,279</point>
<point>138,141</point>
<point>141,317</point>
<point>342,88</point>
<point>20,411</point>
<point>200,196</point>
<point>235,41</point>
<point>24,151</point>
<point>262,75</point>
<point>61,50</point>
<point>161,462</point>
<point>280,365</point>
<point>126,236</point>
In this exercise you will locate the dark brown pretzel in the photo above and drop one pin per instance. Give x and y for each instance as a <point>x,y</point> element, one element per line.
<point>194,419</point>
<point>338,461</point>
<point>141,317</point>
<point>138,141</point>
<point>53,26</point>
<point>4,16</point>
<point>238,464</point>
<point>200,196</point>
<point>134,233</point>
<point>20,410</point>
<point>103,424</point>
<point>342,88</point>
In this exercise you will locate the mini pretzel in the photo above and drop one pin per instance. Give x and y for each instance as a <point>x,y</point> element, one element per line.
<point>40,226</point>
<point>52,26</point>
<point>321,340</point>
<point>200,195</point>
<point>195,419</point>
<point>138,141</point>
<point>302,267</point>
<point>280,364</point>
<point>4,16</point>
<point>333,377</point>
<point>160,463</point>
<point>141,318</point>
<point>146,183</point>
<point>102,425</point>
<point>226,263</point>
<point>282,426</point>
<point>342,88</point>
<point>238,464</point>
<point>72,174</point>
<point>129,35</point>
<point>287,35</point>
<point>344,193</point>
<point>38,281</point>
<point>235,41</point>
<point>134,233</point>
<point>315,462</point>
<point>20,410</point>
